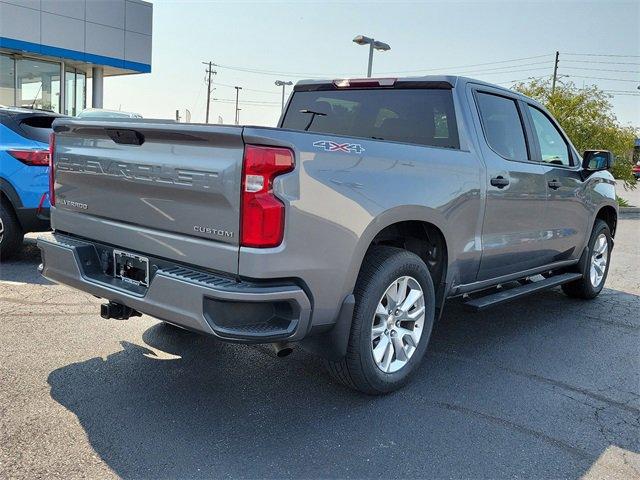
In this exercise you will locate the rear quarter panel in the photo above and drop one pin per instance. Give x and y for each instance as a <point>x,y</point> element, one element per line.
<point>337,202</point>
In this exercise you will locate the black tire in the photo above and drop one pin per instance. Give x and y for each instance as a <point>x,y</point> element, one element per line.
<point>12,235</point>
<point>584,287</point>
<point>358,369</point>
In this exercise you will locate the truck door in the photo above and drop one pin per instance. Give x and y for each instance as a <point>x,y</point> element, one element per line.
<point>566,218</point>
<point>513,227</point>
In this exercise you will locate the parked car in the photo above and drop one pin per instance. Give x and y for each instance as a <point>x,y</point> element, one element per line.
<point>344,230</point>
<point>24,175</point>
<point>636,170</point>
<point>104,114</point>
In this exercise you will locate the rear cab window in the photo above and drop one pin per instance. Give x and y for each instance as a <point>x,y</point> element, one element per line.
<point>418,116</point>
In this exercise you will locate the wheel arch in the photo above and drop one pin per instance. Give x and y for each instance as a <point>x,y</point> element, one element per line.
<point>609,215</point>
<point>413,229</point>
<point>8,193</point>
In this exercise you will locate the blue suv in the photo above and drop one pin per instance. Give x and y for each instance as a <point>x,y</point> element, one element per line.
<point>24,175</point>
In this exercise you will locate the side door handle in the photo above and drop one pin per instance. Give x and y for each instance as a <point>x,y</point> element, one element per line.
<point>554,184</point>
<point>499,181</point>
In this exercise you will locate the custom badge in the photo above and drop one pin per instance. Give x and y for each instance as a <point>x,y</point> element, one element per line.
<point>331,146</point>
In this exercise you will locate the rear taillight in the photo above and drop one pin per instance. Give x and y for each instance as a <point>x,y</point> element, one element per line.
<point>34,158</point>
<point>262,213</point>
<point>52,147</point>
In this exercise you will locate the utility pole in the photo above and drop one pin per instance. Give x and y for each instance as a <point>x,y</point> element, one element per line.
<point>209,72</point>
<point>237,109</point>
<point>555,74</point>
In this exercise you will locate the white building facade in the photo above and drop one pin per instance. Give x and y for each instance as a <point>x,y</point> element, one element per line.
<point>49,48</point>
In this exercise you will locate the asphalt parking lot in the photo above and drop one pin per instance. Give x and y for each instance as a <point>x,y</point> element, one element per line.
<point>547,387</point>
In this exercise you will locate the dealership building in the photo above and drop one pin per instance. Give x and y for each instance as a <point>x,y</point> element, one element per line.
<point>50,48</point>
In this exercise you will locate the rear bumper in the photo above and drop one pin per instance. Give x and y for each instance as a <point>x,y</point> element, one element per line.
<point>232,310</point>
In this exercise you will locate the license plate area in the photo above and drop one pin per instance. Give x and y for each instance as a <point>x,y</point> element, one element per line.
<point>131,268</point>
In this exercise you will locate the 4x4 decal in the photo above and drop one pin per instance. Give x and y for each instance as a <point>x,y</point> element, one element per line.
<point>331,146</point>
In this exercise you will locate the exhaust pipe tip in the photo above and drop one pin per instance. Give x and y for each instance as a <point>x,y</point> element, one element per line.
<point>283,351</point>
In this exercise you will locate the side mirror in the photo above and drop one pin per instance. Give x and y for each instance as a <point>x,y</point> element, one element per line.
<point>595,160</point>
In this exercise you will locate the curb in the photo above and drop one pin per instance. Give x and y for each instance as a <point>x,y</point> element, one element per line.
<point>624,211</point>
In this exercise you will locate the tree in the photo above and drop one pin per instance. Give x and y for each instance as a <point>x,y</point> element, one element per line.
<point>586,115</point>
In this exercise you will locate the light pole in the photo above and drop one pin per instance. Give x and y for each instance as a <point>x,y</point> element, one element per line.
<point>362,40</point>
<point>237,109</point>
<point>282,83</point>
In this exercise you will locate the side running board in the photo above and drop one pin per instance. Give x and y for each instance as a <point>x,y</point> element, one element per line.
<point>521,291</point>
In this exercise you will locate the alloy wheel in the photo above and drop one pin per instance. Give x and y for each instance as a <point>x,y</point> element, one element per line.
<point>599,260</point>
<point>397,324</point>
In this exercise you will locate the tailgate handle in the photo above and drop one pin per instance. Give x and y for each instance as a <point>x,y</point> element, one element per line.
<point>125,136</point>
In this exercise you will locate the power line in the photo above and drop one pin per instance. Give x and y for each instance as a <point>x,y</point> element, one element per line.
<point>603,70</point>
<point>270,72</point>
<point>466,66</point>
<point>605,78</point>
<point>601,55</point>
<point>546,62</point>
<point>247,89</point>
<point>303,75</point>
<point>246,101</point>
<point>505,71</point>
<point>597,61</point>
<point>523,79</point>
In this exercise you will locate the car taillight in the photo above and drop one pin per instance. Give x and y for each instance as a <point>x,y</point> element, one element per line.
<point>37,158</point>
<point>52,148</point>
<point>262,213</point>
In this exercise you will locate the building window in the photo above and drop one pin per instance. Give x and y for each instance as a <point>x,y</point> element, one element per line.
<point>75,91</point>
<point>7,80</point>
<point>38,84</point>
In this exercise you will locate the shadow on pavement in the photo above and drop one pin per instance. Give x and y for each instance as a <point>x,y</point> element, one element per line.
<point>525,391</point>
<point>13,270</point>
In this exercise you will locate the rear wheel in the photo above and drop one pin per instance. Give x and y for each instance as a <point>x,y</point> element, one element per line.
<point>596,268</point>
<point>11,234</point>
<point>392,322</point>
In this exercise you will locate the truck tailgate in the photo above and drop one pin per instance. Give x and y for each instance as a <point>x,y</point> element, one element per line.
<point>169,188</point>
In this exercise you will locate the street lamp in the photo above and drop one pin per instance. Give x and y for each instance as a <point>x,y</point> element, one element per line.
<point>282,83</point>
<point>362,40</point>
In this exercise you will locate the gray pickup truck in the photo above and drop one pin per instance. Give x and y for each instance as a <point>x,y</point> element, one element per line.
<point>342,231</point>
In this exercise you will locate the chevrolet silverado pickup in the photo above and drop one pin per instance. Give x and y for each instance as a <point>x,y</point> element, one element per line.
<point>344,230</point>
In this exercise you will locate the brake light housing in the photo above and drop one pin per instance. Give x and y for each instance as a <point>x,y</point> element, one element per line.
<point>52,148</point>
<point>364,82</point>
<point>33,158</point>
<point>262,214</point>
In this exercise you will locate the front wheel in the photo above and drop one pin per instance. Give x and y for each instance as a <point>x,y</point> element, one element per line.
<point>392,321</point>
<point>596,268</point>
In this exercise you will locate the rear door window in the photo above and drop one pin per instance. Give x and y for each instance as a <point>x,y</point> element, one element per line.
<point>502,126</point>
<point>418,116</point>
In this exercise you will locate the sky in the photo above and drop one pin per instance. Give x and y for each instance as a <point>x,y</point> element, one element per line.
<point>293,40</point>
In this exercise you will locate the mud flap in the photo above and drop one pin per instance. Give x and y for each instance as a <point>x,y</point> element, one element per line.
<point>332,344</point>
